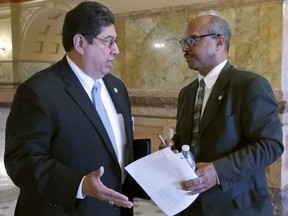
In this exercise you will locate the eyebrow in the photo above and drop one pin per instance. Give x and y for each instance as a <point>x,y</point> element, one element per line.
<point>110,37</point>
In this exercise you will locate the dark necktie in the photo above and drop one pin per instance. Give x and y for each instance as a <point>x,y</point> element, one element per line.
<point>96,97</point>
<point>197,112</point>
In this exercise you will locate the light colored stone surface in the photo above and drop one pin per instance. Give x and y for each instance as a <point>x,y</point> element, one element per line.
<point>258,28</point>
<point>256,44</point>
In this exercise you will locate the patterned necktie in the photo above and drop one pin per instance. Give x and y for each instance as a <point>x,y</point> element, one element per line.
<point>197,111</point>
<point>96,97</point>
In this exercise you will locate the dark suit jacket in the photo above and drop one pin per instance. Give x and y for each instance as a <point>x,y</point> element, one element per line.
<point>54,137</point>
<point>240,132</point>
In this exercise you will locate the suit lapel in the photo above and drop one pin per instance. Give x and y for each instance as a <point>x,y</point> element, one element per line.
<point>119,101</point>
<point>79,95</point>
<point>114,93</point>
<point>215,99</point>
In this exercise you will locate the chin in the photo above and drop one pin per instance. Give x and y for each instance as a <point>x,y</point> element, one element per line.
<point>105,73</point>
<point>191,67</point>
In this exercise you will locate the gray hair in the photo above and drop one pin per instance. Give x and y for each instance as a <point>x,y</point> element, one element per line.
<point>220,26</point>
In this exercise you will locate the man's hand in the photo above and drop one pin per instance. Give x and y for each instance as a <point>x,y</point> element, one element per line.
<point>92,186</point>
<point>207,178</point>
<point>170,144</point>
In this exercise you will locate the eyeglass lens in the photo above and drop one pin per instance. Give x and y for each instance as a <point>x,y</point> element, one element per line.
<point>191,40</point>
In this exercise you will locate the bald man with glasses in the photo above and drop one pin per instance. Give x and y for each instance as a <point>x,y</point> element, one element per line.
<point>236,133</point>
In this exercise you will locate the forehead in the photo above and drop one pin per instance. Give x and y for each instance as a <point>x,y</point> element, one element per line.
<point>198,25</point>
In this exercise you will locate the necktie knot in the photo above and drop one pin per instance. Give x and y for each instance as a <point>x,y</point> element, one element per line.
<point>96,93</point>
<point>202,84</point>
<point>97,85</point>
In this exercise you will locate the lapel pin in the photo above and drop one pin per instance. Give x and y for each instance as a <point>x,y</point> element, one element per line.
<point>116,90</point>
<point>220,97</point>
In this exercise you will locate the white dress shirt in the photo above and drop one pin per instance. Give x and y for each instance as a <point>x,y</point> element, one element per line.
<point>210,80</point>
<point>115,119</point>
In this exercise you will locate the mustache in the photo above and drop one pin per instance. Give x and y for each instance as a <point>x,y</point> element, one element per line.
<point>187,55</point>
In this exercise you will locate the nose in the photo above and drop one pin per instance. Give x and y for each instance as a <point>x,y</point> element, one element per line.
<point>115,49</point>
<point>185,47</point>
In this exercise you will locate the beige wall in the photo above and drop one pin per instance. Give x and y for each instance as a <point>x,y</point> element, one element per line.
<point>153,75</point>
<point>140,5</point>
<point>256,44</point>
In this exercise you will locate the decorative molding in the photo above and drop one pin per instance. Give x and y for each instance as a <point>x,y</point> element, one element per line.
<point>5,12</point>
<point>24,17</point>
<point>155,103</point>
<point>154,98</point>
<point>146,103</point>
<point>213,5</point>
<point>7,92</point>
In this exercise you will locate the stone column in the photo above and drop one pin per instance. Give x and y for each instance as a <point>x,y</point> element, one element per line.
<point>279,170</point>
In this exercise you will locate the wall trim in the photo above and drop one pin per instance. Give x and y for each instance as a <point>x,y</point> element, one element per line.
<point>213,5</point>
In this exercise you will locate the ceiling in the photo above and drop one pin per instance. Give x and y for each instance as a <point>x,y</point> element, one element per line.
<point>126,5</point>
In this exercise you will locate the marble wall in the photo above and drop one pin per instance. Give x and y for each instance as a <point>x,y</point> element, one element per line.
<point>150,57</point>
<point>152,40</point>
<point>152,65</point>
<point>151,62</point>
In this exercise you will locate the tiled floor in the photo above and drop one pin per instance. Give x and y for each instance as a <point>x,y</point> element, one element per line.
<point>9,192</point>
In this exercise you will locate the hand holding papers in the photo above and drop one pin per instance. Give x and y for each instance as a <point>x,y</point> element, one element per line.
<point>160,174</point>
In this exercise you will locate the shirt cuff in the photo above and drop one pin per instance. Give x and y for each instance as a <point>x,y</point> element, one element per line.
<point>80,194</point>
<point>217,178</point>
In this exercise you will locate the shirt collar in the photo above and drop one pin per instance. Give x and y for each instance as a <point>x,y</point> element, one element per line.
<point>212,76</point>
<point>86,81</point>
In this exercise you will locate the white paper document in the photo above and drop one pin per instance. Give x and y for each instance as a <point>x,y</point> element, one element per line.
<point>160,174</point>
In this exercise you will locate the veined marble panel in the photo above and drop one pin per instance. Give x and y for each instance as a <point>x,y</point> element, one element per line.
<point>284,81</point>
<point>279,199</point>
<point>23,70</point>
<point>6,71</point>
<point>150,57</point>
<point>207,5</point>
<point>258,41</point>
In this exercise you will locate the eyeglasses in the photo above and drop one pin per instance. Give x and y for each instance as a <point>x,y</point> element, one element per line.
<point>108,43</point>
<point>192,40</point>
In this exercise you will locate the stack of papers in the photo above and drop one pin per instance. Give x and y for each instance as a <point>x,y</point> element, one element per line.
<point>160,175</point>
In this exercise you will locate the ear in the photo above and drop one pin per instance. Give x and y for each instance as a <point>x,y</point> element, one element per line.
<point>220,42</point>
<point>79,42</point>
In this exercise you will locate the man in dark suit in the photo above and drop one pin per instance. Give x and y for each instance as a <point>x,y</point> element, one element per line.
<point>58,151</point>
<point>239,133</point>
